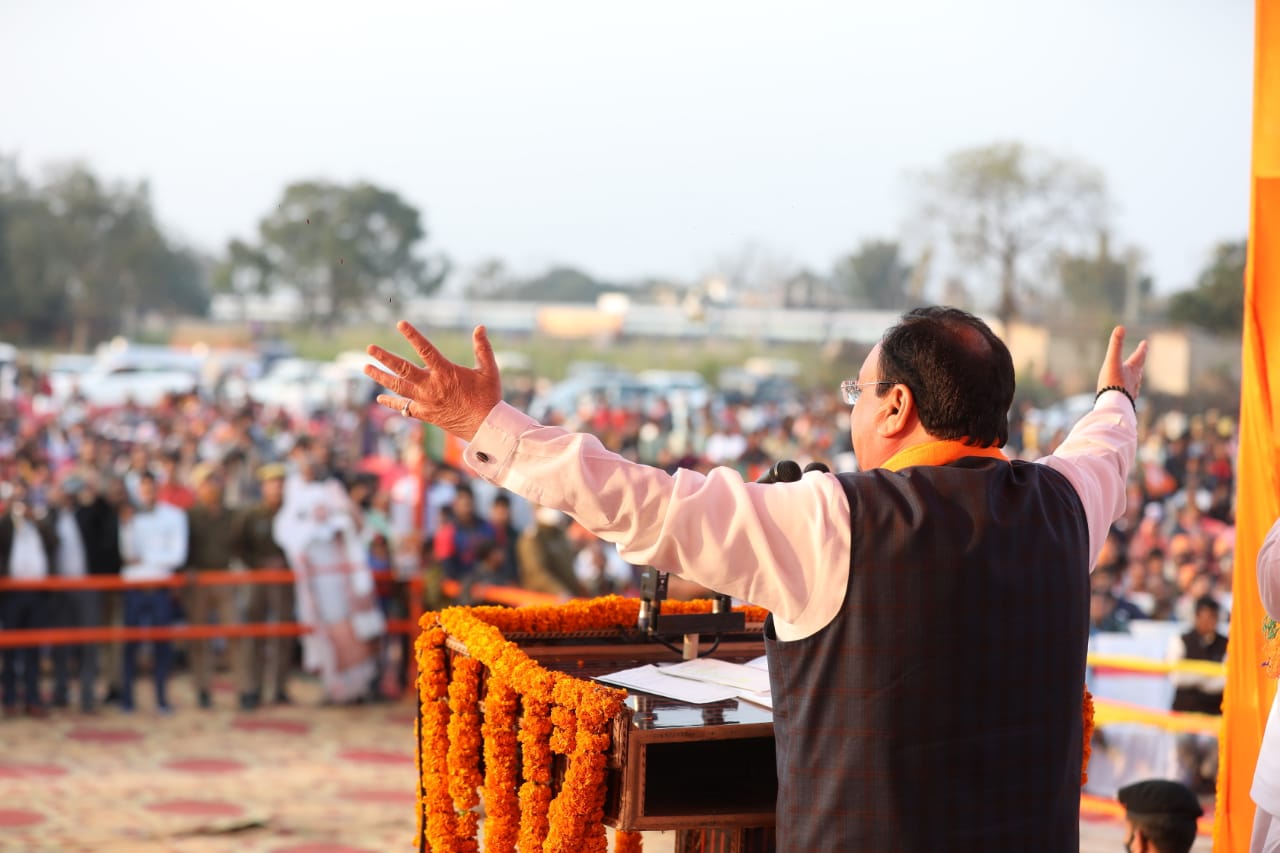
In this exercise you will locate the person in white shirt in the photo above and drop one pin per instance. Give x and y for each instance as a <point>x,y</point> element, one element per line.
<point>153,545</point>
<point>1266,775</point>
<point>28,546</point>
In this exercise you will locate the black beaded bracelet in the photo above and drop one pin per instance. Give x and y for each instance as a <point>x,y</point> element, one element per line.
<point>1122,390</point>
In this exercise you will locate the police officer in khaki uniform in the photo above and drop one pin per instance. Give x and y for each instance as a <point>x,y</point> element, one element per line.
<point>209,551</point>
<point>267,659</point>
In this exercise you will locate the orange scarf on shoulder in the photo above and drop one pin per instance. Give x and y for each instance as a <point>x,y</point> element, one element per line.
<point>939,453</point>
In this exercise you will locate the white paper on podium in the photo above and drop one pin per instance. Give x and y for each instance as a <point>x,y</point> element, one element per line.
<point>761,662</point>
<point>737,675</point>
<point>762,699</point>
<point>651,679</point>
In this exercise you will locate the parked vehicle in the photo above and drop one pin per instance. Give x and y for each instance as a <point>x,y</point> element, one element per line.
<point>687,386</point>
<point>612,389</point>
<point>66,372</point>
<point>123,372</point>
<point>8,371</point>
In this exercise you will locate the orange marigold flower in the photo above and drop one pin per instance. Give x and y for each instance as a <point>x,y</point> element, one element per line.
<point>628,842</point>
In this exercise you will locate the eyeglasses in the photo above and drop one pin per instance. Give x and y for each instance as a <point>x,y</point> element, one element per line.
<point>852,390</point>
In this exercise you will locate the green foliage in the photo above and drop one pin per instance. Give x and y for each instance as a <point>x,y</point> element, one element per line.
<point>82,260</point>
<point>1004,207</point>
<point>1216,303</point>
<point>339,246</point>
<point>875,276</point>
<point>558,284</point>
<point>1101,286</point>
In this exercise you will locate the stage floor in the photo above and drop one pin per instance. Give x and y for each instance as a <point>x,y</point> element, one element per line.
<point>298,779</point>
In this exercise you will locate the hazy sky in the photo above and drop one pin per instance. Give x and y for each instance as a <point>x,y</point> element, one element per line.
<point>638,138</point>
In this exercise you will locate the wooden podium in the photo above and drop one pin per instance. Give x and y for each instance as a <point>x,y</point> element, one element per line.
<point>709,772</point>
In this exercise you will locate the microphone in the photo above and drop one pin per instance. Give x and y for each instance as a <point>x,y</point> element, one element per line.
<point>787,471</point>
<point>782,471</point>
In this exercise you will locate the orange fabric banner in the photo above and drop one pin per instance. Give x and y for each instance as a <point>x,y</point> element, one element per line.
<point>1249,690</point>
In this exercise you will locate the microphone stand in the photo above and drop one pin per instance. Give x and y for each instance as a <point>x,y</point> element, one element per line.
<point>722,619</point>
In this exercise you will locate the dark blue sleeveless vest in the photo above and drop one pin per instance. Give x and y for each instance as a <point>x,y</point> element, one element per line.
<point>939,712</point>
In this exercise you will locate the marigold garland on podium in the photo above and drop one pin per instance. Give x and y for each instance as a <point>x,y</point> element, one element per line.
<point>511,725</point>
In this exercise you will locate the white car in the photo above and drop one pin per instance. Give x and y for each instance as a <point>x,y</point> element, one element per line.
<point>685,385</point>
<point>66,372</point>
<point>143,375</point>
<point>296,385</point>
<point>304,387</point>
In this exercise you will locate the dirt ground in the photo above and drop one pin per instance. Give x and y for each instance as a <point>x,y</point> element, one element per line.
<point>293,779</point>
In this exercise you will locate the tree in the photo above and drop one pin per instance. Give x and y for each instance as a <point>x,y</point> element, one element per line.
<point>83,259</point>
<point>754,274</point>
<point>338,246</point>
<point>560,284</point>
<point>1005,207</point>
<point>1216,303</point>
<point>244,273</point>
<point>875,276</point>
<point>488,279</point>
<point>1102,286</point>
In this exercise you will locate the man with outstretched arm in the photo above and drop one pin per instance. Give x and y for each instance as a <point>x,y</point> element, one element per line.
<point>929,613</point>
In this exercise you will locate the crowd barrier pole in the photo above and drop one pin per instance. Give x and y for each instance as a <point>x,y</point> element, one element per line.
<point>27,637</point>
<point>1107,712</point>
<point>508,595</point>
<point>1129,663</point>
<point>219,577</point>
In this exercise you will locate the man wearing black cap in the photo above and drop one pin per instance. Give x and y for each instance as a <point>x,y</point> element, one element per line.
<point>1161,815</point>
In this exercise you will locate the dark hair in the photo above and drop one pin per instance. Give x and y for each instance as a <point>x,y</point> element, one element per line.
<point>1208,602</point>
<point>502,498</point>
<point>959,372</point>
<point>1168,833</point>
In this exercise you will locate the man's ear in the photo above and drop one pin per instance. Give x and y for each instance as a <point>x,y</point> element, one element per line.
<point>898,411</point>
<point>1141,844</point>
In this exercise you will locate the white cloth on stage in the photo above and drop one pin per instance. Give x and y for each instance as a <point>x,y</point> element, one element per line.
<point>1266,775</point>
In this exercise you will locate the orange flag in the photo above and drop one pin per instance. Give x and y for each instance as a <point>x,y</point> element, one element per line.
<point>1249,690</point>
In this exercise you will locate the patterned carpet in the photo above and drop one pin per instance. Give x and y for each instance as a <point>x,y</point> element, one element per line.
<point>296,779</point>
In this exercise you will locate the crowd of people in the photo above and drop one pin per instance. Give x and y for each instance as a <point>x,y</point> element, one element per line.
<point>198,485</point>
<point>345,499</point>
